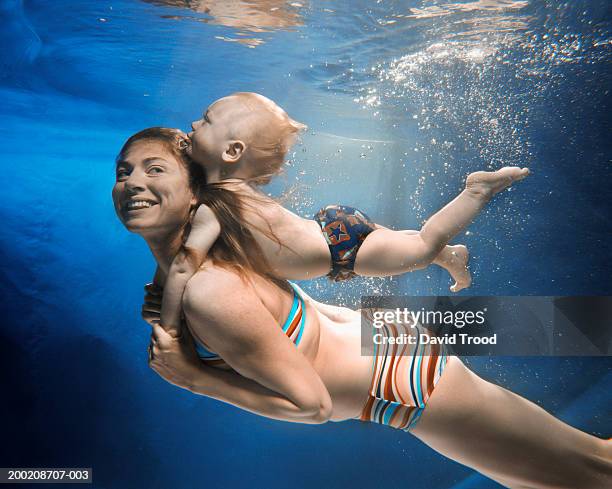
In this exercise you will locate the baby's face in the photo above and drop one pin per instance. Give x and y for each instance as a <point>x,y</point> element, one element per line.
<point>208,135</point>
<point>211,134</point>
<point>228,119</point>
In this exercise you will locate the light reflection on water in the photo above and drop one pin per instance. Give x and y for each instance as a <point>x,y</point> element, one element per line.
<point>243,16</point>
<point>477,5</point>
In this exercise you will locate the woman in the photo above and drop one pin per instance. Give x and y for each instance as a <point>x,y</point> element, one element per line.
<point>311,369</point>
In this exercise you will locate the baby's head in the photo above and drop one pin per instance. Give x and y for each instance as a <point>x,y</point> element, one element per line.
<point>244,135</point>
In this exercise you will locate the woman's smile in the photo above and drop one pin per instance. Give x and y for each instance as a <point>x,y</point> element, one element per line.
<point>150,177</point>
<point>137,208</point>
<point>138,204</point>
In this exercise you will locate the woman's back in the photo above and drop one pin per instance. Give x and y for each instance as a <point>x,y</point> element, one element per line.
<point>331,347</point>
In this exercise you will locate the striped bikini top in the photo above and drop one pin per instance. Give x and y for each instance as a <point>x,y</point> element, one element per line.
<point>294,328</point>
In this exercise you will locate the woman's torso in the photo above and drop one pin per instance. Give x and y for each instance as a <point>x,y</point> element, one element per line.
<point>333,349</point>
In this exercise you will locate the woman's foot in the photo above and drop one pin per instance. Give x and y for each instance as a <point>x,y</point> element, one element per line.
<point>485,184</point>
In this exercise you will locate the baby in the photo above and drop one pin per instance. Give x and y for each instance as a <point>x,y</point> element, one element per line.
<point>241,142</point>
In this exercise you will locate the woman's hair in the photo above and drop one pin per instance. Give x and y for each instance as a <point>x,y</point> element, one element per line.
<point>268,150</point>
<point>236,246</point>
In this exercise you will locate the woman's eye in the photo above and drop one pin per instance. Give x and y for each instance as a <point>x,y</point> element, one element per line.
<point>156,169</point>
<point>122,174</point>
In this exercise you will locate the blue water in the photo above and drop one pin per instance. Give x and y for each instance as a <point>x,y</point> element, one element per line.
<point>402,100</point>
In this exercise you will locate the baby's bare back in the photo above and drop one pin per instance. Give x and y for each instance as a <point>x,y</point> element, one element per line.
<point>303,253</point>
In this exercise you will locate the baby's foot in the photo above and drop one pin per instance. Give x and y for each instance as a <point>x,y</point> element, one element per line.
<point>457,267</point>
<point>485,184</point>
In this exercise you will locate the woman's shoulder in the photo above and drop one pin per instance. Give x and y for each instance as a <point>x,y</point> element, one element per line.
<point>212,284</point>
<point>217,298</point>
<point>214,289</point>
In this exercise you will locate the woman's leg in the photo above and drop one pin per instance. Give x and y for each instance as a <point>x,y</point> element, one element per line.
<point>508,438</point>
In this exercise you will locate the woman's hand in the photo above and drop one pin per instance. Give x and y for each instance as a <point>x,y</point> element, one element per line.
<point>174,359</point>
<point>151,309</point>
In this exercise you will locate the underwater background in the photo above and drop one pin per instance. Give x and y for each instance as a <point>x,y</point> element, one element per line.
<point>402,100</point>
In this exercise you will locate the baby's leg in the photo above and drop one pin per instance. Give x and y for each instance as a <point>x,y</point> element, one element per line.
<point>454,259</point>
<point>508,438</point>
<point>389,253</point>
<point>385,252</point>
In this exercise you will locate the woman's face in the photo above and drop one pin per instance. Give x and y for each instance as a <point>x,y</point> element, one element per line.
<point>151,193</point>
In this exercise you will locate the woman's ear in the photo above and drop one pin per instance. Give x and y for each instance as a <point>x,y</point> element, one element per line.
<point>234,152</point>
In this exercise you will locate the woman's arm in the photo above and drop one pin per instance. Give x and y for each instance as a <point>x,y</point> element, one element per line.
<point>204,232</point>
<point>271,377</point>
<point>175,360</point>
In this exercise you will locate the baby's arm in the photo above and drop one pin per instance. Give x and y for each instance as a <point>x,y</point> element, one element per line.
<point>205,229</point>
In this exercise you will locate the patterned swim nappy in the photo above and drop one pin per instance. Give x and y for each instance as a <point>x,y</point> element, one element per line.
<point>345,229</point>
<point>403,378</point>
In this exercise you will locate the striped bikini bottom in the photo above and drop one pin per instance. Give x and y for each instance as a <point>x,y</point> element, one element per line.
<point>404,376</point>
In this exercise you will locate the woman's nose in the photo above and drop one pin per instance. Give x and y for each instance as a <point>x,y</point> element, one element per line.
<point>194,125</point>
<point>134,182</point>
